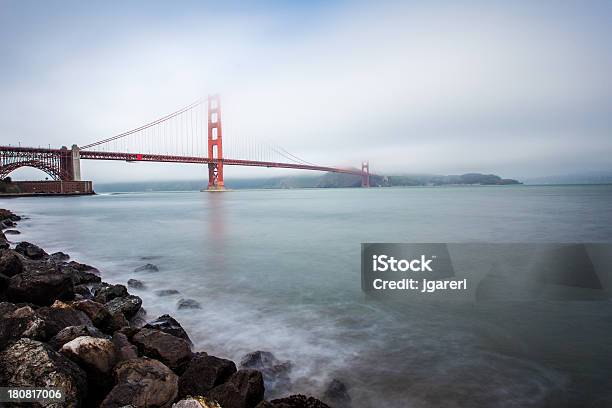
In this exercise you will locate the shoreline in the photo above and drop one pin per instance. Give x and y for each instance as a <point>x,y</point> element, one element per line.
<point>62,326</point>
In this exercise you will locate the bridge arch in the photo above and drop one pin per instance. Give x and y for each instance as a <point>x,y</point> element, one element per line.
<point>53,171</point>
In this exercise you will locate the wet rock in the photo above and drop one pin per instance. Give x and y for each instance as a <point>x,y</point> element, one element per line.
<point>40,287</point>
<point>168,324</point>
<point>30,250</point>
<point>4,244</point>
<point>105,293</point>
<point>188,304</point>
<point>12,232</point>
<point>135,284</point>
<point>170,350</point>
<point>298,401</point>
<point>70,333</point>
<point>196,402</point>
<point>20,322</point>
<point>83,267</point>
<point>29,363</point>
<point>4,283</point>
<point>80,277</point>
<point>275,372</point>
<point>98,314</point>
<point>203,373</point>
<point>124,349</point>
<point>8,215</point>
<point>117,322</point>
<point>128,305</point>
<point>142,382</point>
<point>167,292</point>
<point>82,291</point>
<point>10,263</point>
<point>59,257</point>
<point>337,395</point>
<point>61,315</point>
<point>8,224</point>
<point>244,389</point>
<point>149,267</point>
<point>140,319</point>
<point>6,308</point>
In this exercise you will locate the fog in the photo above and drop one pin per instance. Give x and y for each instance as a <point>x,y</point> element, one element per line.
<point>520,90</point>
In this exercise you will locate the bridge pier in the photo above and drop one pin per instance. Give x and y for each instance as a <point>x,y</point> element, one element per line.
<point>76,163</point>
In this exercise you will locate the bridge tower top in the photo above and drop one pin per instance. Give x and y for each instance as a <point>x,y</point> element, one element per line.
<point>365,174</point>
<point>215,144</point>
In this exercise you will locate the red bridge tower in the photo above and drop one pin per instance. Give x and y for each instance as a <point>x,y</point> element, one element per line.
<point>215,144</point>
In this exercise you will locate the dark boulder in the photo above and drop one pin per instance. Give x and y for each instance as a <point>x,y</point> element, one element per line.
<point>128,305</point>
<point>61,315</point>
<point>30,250</point>
<point>105,293</point>
<point>29,363</point>
<point>170,350</point>
<point>6,308</point>
<point>298,401</point>
<point>10,263</point>
<point>82,292</point>
<point>20,322</point>
<point>80,277</point>
<point>188,304</point>
<point>7,224</point>
<point>41,287</point>
<point>168,324</point>
<point>337,394</point>
<point>4,244</point>
<point>12,232</point>
<point>147,267</point>
<point>203,373</point>
<point>72,332</point>
<point>98,314</point>
<point>142,382</point>
<point>124,349</point>
<point>83,267</point>
<point>4,283</point>
<point>275,372</point>
<point>244,389</point>
<point>167,292</point>
<point>59,257</point>
<point>135,284</point>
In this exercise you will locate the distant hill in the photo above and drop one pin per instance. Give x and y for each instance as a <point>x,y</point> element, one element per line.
<point>327,180</point>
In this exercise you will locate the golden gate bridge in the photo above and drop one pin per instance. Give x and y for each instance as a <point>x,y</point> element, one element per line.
<point>175,138</point>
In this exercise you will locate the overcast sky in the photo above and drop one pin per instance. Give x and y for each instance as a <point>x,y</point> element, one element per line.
<point>519,89</point>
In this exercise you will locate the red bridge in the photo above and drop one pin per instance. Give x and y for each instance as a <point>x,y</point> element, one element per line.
<point>175,138</point>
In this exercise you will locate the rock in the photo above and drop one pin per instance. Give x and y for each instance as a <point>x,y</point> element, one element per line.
<point>167,324</point>
<point>188,304</point>
<point>20,322</point>
<point>244,389</point>
<point>128,305</point>
<point>4,283</point>
<point>8,224</point>
<point>298,401</point>
<point>147,267</point>
<point>337,395</point>
<point>117,322</point>
<point>80,277</point>
<point>167,292</point>
<point>12,232</point>
<point>4,244</point>
<point>124,349</point>
<point>196,402</point>
<point>30,250</point>
<point>105,292</point>
<point>6,308</point>
<point>61,315</point>
<point>8,215</point>
<point>203,373</point>
<point>96,355</point>
<point>29,363</point>
<point>275,372</point>
<point>40,287</point>
<point>98,314</point>
<point>70,333</point>
<point>59,257</point>
<point>82,291</point>
<point>83,267</point>
<point>170,350</point>
<point>10,263</point>
<point>135,283</point>
<point>142,382</point>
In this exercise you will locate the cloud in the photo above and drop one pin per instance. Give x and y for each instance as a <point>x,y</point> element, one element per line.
<point>521,89</point>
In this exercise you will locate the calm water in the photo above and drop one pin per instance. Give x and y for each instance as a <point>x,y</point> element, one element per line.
<point>279,271</point>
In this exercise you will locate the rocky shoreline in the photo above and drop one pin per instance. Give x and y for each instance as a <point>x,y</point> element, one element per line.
<point>62,326</point>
